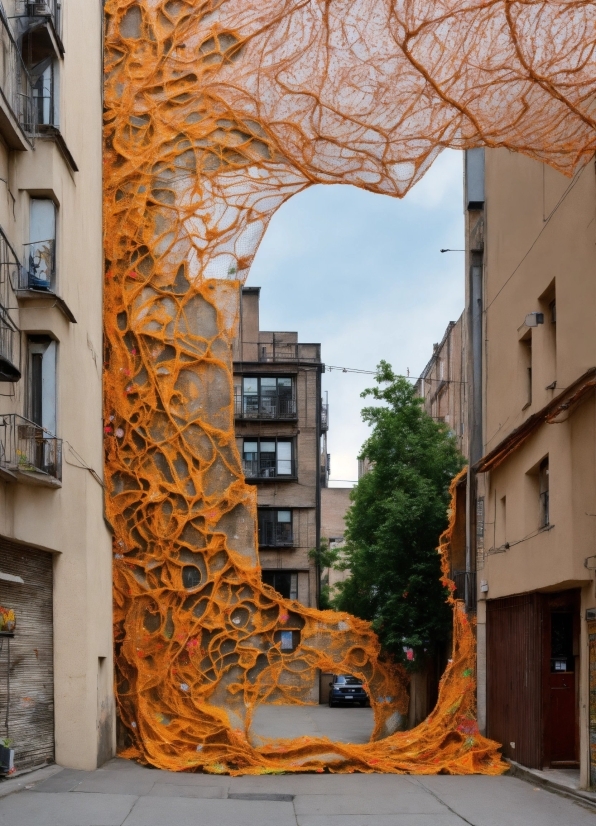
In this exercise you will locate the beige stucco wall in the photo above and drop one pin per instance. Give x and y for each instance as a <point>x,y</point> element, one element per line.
<point>539,229</point>
<point>68,521</point>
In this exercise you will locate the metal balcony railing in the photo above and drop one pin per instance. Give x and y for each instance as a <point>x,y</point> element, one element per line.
<point>324,417</point>
<point>15,81</point>
<point>9,348</point>
<point>272,535</point>
<point>42,8</point>
<point>265,468</point>
<point>280,351</point>
<point>267,407</point>
<point>27,449</point>
<point>465,588</point>
<point>39,269</point>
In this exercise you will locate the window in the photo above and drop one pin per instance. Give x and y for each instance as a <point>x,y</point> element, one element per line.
<point>275,528</point>
<point>42,382</point>
<point>266,397</point>
<point>284,582</point>
<point>268,458</point>
<point>40,252</point>
<point>526,358</point>
<point>543,488</point>
<point>43,92</point>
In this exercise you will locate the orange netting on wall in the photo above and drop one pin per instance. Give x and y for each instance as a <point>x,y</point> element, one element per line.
<point>217,112</point>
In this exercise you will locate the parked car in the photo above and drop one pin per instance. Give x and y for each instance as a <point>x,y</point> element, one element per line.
<point>346,689</point>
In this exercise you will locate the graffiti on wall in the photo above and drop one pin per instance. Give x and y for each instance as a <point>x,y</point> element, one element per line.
<point>218,111</point>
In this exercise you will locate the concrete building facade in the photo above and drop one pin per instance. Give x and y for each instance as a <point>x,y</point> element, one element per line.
<point>531,528</point>
<point>281,424</point>
<point>56,697</point>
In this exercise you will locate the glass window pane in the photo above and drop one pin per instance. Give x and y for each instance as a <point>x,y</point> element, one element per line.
<point>294,586</point>
<point>268,447</point>
<point>284,383</point>
<point>284,450</point>
<point>250,447</point>
<point>268,384</point>
<point>284,516</point>
<point>251,385</point>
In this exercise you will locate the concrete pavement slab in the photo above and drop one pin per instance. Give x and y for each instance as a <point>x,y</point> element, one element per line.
<point>107,782</point>
<point>505,801</point>
<point>322,784</point>
<point>27,780</point>
<point>368,804</point>
<point>187,790</point>
<point>382,820</point>
<point>64,781</point>
<point>159,811</point>
<point>65,809</point>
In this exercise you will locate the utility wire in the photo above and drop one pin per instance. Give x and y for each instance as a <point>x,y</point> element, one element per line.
<point>374,373</point>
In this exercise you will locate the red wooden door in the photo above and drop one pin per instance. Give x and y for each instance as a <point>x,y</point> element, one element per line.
<point>562,716</point>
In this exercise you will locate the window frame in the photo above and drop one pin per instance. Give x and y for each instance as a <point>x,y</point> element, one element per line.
<point>266,470</point>
<point>275,541</point>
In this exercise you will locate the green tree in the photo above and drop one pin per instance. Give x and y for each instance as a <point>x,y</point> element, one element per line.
<point>399,511</point>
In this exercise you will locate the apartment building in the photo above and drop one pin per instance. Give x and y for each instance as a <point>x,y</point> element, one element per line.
<point>442,383</point>
<point>281,425</point>
<point>531,527</point>
<point>56,697</point>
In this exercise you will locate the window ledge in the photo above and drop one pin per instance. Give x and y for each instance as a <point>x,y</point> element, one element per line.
<point>47,300</point>
<point>53,133</point>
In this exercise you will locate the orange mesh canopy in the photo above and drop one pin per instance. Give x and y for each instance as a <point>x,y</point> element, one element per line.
<point>216,113</point>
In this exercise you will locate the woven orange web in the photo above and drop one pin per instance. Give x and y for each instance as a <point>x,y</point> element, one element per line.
<point>216,113</point>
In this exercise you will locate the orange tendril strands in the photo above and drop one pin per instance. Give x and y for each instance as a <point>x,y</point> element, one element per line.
<point>216,113</point>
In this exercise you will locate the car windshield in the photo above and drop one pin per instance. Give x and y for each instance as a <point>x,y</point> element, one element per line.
<point>347,680</point>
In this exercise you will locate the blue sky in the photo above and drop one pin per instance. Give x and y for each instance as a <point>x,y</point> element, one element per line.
<point>362,274</point>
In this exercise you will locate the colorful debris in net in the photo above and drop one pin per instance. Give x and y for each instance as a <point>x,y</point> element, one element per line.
<point>216,113</point>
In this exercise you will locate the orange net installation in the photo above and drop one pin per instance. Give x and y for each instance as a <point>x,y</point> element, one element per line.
<point>218,111</point>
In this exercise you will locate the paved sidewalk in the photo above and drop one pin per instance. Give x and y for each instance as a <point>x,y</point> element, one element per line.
<point>122,793</point>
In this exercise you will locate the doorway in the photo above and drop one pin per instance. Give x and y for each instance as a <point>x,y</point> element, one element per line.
<point>561,700</point>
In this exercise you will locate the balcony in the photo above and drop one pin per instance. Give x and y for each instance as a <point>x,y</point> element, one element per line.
<point>267,407</point>
<point>269,469</point>
<point>38,274</point>
<point>465,588</point>
<point>324,417</point>
<point>17,114</point>
<point>282,351</point>
<point>33,13</point>
<point>273,535</point>
<point>28,453</point>
<point>9,348</point>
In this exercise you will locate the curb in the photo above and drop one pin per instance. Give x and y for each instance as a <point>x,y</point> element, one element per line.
<point>587,799</point>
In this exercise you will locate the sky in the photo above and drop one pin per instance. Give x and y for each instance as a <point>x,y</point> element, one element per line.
<point>363,275</point>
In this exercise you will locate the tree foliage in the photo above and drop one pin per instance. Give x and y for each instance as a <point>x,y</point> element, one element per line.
<point>399,511</point>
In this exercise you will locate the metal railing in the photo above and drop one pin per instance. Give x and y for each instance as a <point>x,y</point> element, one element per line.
<point>39,269</point>
<point>465,588</point>
<point>281,351</point>
<point>42,8</point>
<point>276,535</point>
<point>324,417</point>
<point>9,348</point>
<point>15,82</point>
<point>27,448</point>
<point>265,468</point>
<point>249,406</point>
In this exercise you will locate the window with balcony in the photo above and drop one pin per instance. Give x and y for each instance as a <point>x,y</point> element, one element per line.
<point>268,458</point>
<point>40,253</point>
<point>284,582</point>
<point>275,528</point>
<point>265,397</point>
